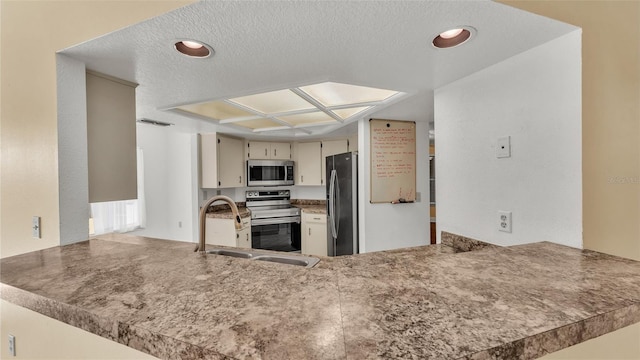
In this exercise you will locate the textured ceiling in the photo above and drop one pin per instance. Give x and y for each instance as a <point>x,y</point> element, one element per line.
<point>269,45</point>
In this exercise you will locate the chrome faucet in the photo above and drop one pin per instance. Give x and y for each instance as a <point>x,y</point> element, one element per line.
<point>203,215</point>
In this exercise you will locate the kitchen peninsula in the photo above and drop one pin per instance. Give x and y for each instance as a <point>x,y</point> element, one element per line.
<point>438,301</point>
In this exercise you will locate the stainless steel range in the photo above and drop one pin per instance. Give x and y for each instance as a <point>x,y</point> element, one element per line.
<point>275,224</point>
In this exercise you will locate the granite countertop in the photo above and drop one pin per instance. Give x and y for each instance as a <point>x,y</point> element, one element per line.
<point>310,206</point>
<point>430,302</point>
<point>312,209</point>
<point>224,212</point>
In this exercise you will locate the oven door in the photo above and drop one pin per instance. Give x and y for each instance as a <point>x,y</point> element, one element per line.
<point>278,234</point>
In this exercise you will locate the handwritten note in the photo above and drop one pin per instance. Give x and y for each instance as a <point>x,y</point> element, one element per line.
<point>393,161</point>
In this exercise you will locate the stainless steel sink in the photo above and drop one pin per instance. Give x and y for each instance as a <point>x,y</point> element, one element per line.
<point>232,253</point>
<point>289,259</point>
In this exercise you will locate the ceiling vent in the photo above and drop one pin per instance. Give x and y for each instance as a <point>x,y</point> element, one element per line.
<point>154,122</point>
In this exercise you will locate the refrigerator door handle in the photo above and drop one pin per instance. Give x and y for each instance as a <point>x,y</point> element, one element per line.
<point>336,220</point>
<point>332,204</point>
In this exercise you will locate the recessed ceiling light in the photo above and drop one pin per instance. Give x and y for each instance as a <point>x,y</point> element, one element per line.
<point>192,44</point>
<point>445,35</point>
<point>193,48</point>
<point>452,37</point>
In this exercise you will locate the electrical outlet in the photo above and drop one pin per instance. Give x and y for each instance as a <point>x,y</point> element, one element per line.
<point>180,224</point>
<point>35,227</point>
<point>504,221</point>
<point>503,147</point>
<point>12,345</point>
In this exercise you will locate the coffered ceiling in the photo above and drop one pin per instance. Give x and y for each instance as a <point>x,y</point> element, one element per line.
<point>292,48</point>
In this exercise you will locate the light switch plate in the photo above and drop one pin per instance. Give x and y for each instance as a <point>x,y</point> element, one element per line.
<point>35,227</point>
<point>504,221</point>
<point>12,345</point>
<point>503,147</point>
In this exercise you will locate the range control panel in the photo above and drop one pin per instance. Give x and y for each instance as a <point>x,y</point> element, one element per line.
<point>281,194</point>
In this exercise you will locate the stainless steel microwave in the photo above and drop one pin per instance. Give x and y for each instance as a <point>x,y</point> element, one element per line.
<point>269,172</point>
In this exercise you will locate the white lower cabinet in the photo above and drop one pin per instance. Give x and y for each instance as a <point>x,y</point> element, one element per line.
<point>314,234</point>
<point>243,237</point>
<point>223,232</point>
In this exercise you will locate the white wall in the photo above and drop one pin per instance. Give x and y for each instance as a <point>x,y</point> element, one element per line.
<point>534,97</point>
<point>73,181</point>
<point>390,226</point>
<point>41,337</point>
<point>170,183</point>
<point>308,192</point>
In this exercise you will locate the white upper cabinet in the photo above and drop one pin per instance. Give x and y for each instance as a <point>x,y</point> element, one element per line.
<point>353,143</point>
<point>331,147</point>
<point>308,170</point>
<point>269,150</point>
<point>281,151</point>
<point>221,161</point>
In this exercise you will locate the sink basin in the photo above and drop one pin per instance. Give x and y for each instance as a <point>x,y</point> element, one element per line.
<point>232,253</point>
<point>289,259</point>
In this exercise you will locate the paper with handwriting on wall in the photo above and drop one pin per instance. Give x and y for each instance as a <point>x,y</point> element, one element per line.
<point>393,161</point>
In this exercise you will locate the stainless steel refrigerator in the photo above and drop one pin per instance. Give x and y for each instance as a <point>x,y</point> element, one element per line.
<point>342,204</point>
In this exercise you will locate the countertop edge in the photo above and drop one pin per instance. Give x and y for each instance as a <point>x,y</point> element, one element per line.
<point>156,344</point>
<point>550,341</point>
<point>120,332</point>
<point>161,346</point>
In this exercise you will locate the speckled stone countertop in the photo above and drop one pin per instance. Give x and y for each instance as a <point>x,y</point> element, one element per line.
<point>430,302</point>
<point>310,206</point>
<point>313,209</point>
<point>224,212</point>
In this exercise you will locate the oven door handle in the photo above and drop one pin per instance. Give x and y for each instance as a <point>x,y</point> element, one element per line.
<point>271,221</point>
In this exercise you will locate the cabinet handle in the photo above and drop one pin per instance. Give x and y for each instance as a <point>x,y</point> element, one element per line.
<point>247,236</point>
<point>309,231</point>
<point>265,152</point>
<point>237,236</point>
<point>316,218</point>
<point>275,152</point>
<point>240,179</point>
<point>301,178</point>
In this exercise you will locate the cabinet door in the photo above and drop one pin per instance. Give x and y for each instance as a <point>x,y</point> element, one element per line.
<point>230,164</point>
<point>314,236</point>
<point>331,148</point>
<point>353,143</point>
<point>220,232</point>
<point>281,151</point>
<point>308,164</point>
<point>243,238</point>
<point>259,150</point>
<point>208,161</point>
